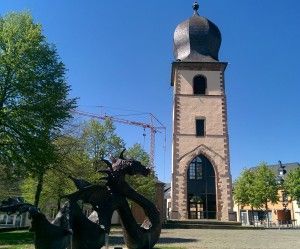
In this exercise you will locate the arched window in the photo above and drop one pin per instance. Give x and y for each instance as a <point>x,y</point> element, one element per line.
<point>200,84</point>
<point>201,189</point>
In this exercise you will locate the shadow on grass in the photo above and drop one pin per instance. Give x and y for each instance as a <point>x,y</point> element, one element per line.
<point>16,238</point>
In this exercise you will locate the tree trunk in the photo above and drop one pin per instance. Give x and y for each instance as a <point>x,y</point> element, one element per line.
<point>253,220</point>
<point>58,203</point>
<point>39,189</point>
<point>267,214</point>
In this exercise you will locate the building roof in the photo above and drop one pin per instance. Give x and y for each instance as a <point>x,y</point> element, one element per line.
<point>167,191</point>
<point>288,167</point>
<point>197,39</point>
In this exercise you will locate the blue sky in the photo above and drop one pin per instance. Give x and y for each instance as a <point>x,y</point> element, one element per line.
<point>119,55</point>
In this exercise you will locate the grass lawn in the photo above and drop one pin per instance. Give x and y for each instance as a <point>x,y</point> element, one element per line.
<point>16,240</point>
<point>24,240</point>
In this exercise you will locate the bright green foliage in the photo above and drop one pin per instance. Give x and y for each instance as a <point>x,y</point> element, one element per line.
<point>55,186</point>
<point>143,185</point>
<point>77,158</point>
<point>34,102</point>
<point>265,186</point>
<point>73,161</point>
<point>9,184</point>
<point>100,139</point>
<point>243,192</point>
<point>28,186</point>
<point>256,187</point>
<point>292,184</point>
<point>138,153</point>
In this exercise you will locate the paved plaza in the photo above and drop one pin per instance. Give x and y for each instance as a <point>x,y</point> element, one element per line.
<point>225,239</point>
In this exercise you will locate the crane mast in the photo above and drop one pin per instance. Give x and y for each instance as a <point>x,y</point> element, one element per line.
<point>153,129</point>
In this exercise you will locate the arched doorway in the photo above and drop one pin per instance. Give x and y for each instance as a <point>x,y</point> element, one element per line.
<point>201,189</point>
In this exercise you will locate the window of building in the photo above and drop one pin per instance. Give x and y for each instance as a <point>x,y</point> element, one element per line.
<point>285,197</point>
<point>7,219</point>
<point>200,127</point>
<point>3,218</point>
<point>192,171</point>
<point>201,189</point>
<point>200,84</point>
<point>195,169</point>
<point>199,171</point>
<point>10,220</point>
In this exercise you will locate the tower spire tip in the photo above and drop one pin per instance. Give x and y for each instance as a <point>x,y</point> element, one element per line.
<point>195,7</point>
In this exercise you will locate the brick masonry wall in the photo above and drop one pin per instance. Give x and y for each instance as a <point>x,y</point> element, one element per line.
<point>214,145</point>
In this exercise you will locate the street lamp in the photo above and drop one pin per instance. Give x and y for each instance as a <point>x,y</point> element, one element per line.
<point>280,180</point>
<point>281,171</point>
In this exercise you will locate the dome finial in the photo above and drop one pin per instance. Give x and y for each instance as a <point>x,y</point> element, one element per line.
<point>195,8</point>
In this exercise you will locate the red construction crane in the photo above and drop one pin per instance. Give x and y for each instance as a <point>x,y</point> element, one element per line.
<point>153,129</point>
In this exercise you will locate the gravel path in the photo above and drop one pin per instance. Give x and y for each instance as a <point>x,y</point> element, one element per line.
<point>233,239</point>
<point>224,239</point>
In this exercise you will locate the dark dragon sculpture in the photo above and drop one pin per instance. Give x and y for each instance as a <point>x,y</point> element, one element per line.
<point>72,228</point>
<point>86,234</point>
<point>135,236</point>
<point>46,235</point>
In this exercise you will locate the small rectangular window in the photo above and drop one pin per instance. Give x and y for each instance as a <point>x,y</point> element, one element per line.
<point>3,218</point>
<point>200,127</point>
<point>10,220</point>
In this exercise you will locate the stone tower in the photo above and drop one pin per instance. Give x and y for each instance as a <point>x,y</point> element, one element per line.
<point>201,179</point>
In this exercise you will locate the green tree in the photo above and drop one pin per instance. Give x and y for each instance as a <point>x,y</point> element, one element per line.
<point>78,155</point>
<point>244,193</point>
<point>292,184</point>
<point>143,185</point>
<point>100,139</point>
<point>9,184</point>
<point>256,188</point>
<point>77,158</point>
<point>73,161</point>
<point>243,188</point>
<point>34,103</point>
<point>265,187</point>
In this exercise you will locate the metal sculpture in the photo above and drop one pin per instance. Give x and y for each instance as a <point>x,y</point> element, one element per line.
<point>101,199</point>
<point>46,235</point>
<point>113,196</point>
<point>105,199</point>
<point>135,236</point>
<point>85,233</point>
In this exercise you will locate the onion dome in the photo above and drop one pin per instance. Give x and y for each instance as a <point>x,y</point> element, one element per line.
<point>197,39</point>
